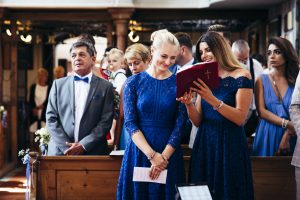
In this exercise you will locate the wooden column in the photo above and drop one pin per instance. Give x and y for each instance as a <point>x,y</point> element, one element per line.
<point>121,17</point>
<point>13,115</point>
<point>1,52</point>
<point>109,33</point>
<point>2,141</point>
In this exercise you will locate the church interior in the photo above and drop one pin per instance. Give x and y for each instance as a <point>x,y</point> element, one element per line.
<point>37,34</point>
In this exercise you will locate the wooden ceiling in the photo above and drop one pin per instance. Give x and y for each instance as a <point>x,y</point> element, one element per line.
<point>62,22</point>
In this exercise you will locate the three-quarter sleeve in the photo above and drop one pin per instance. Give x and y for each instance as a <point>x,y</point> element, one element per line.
<point>130,107</point>
<point>181,118</point>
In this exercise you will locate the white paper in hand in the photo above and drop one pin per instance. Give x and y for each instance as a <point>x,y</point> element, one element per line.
<point>141,174</point>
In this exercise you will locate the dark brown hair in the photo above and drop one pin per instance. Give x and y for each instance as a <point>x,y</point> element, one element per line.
<point>184,39</point>
<point>220,49</point>
<point>290,56</point>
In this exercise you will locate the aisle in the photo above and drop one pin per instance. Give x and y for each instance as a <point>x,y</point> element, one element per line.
<point>12,186</point>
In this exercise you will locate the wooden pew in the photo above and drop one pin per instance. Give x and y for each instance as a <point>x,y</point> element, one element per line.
<point>77,177</point>
<point>273,178</point>
<point>96,177</point>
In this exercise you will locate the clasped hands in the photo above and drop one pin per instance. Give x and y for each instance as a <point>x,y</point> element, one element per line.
<point>158,164</point>
<point>74,149</point>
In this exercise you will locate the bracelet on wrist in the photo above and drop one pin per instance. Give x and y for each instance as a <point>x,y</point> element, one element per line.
<point>219,106</point>
<point>284,123</point>
<point>152,155</point>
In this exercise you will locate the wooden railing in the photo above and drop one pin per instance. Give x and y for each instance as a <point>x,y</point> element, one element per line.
<point>96,177</point>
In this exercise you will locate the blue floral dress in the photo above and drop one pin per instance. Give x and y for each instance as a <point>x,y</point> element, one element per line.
<point>150,106</point>
<point>268,135</point>
<point>220,155</point>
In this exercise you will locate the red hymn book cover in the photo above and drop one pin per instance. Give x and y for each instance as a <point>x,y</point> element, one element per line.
<point>206,71</point>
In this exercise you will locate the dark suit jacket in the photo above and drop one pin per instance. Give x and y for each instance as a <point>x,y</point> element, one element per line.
<point>95,122</point>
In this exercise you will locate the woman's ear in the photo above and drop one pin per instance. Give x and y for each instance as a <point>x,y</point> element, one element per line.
<point>152,50</point>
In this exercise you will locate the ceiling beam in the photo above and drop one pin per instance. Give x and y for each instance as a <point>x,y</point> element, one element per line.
<point>195,14</point>
<point>59,15</point>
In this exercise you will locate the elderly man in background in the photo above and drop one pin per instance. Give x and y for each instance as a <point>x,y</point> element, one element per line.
<point>58,72</point>
<point>241,50</point>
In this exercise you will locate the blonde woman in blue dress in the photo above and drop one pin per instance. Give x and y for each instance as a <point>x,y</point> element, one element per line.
<point>154,119</point>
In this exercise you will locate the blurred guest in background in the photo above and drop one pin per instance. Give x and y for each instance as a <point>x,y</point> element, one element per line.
<point>273,98</point>
<point>137,57</point>
<point>38,99</point>
<point>241,50</point>
<point>58,72</point>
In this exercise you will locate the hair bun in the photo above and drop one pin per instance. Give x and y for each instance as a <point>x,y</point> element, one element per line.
<point>156,33</point>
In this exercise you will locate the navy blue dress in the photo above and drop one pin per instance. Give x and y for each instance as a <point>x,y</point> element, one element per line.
<point>150,106</point>
<point>220,156</point>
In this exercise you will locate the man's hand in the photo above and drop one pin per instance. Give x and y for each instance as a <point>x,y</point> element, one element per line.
<point>74,149</point>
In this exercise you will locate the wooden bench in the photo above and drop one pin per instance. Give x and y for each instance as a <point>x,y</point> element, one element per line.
<point>96,177</point>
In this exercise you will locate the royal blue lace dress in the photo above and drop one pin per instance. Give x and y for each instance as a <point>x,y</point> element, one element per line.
<point>268,136</point>
<point>150,106</point>
<point>220,155</point>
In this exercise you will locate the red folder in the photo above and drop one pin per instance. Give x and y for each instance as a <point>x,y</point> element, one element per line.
<point>206,71</point>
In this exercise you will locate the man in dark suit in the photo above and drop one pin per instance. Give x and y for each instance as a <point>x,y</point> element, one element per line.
<point>80,108</point>
<point>185,56</point>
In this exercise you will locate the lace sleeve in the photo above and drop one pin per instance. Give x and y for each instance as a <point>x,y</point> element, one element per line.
<point>130,107</point>
<point>175,137</point>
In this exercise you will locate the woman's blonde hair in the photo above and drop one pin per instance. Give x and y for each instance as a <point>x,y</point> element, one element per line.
<point>161,36</point>
<point>137,51</point>
<point>42,70</point>
<point>221,50</point>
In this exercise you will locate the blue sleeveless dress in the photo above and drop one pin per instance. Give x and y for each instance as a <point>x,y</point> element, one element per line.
<point>150,106</point>
<point>220,154</point>
<point>268,135</point>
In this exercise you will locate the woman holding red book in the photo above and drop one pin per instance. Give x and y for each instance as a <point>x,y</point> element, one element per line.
<point>220,155</point>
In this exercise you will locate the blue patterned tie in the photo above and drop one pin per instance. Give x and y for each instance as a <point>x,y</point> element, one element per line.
<point>77,78</point>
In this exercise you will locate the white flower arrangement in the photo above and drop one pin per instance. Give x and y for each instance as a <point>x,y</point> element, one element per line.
<point>24,154</point>
<point>3,116</point>
<point>42,136</point>
<point>2,109</point>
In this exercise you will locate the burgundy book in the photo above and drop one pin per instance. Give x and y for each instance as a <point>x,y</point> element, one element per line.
<point>206,71</point>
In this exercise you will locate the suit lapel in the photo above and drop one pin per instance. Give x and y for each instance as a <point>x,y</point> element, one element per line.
<point>72,95</point>
<point>93,86</point>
